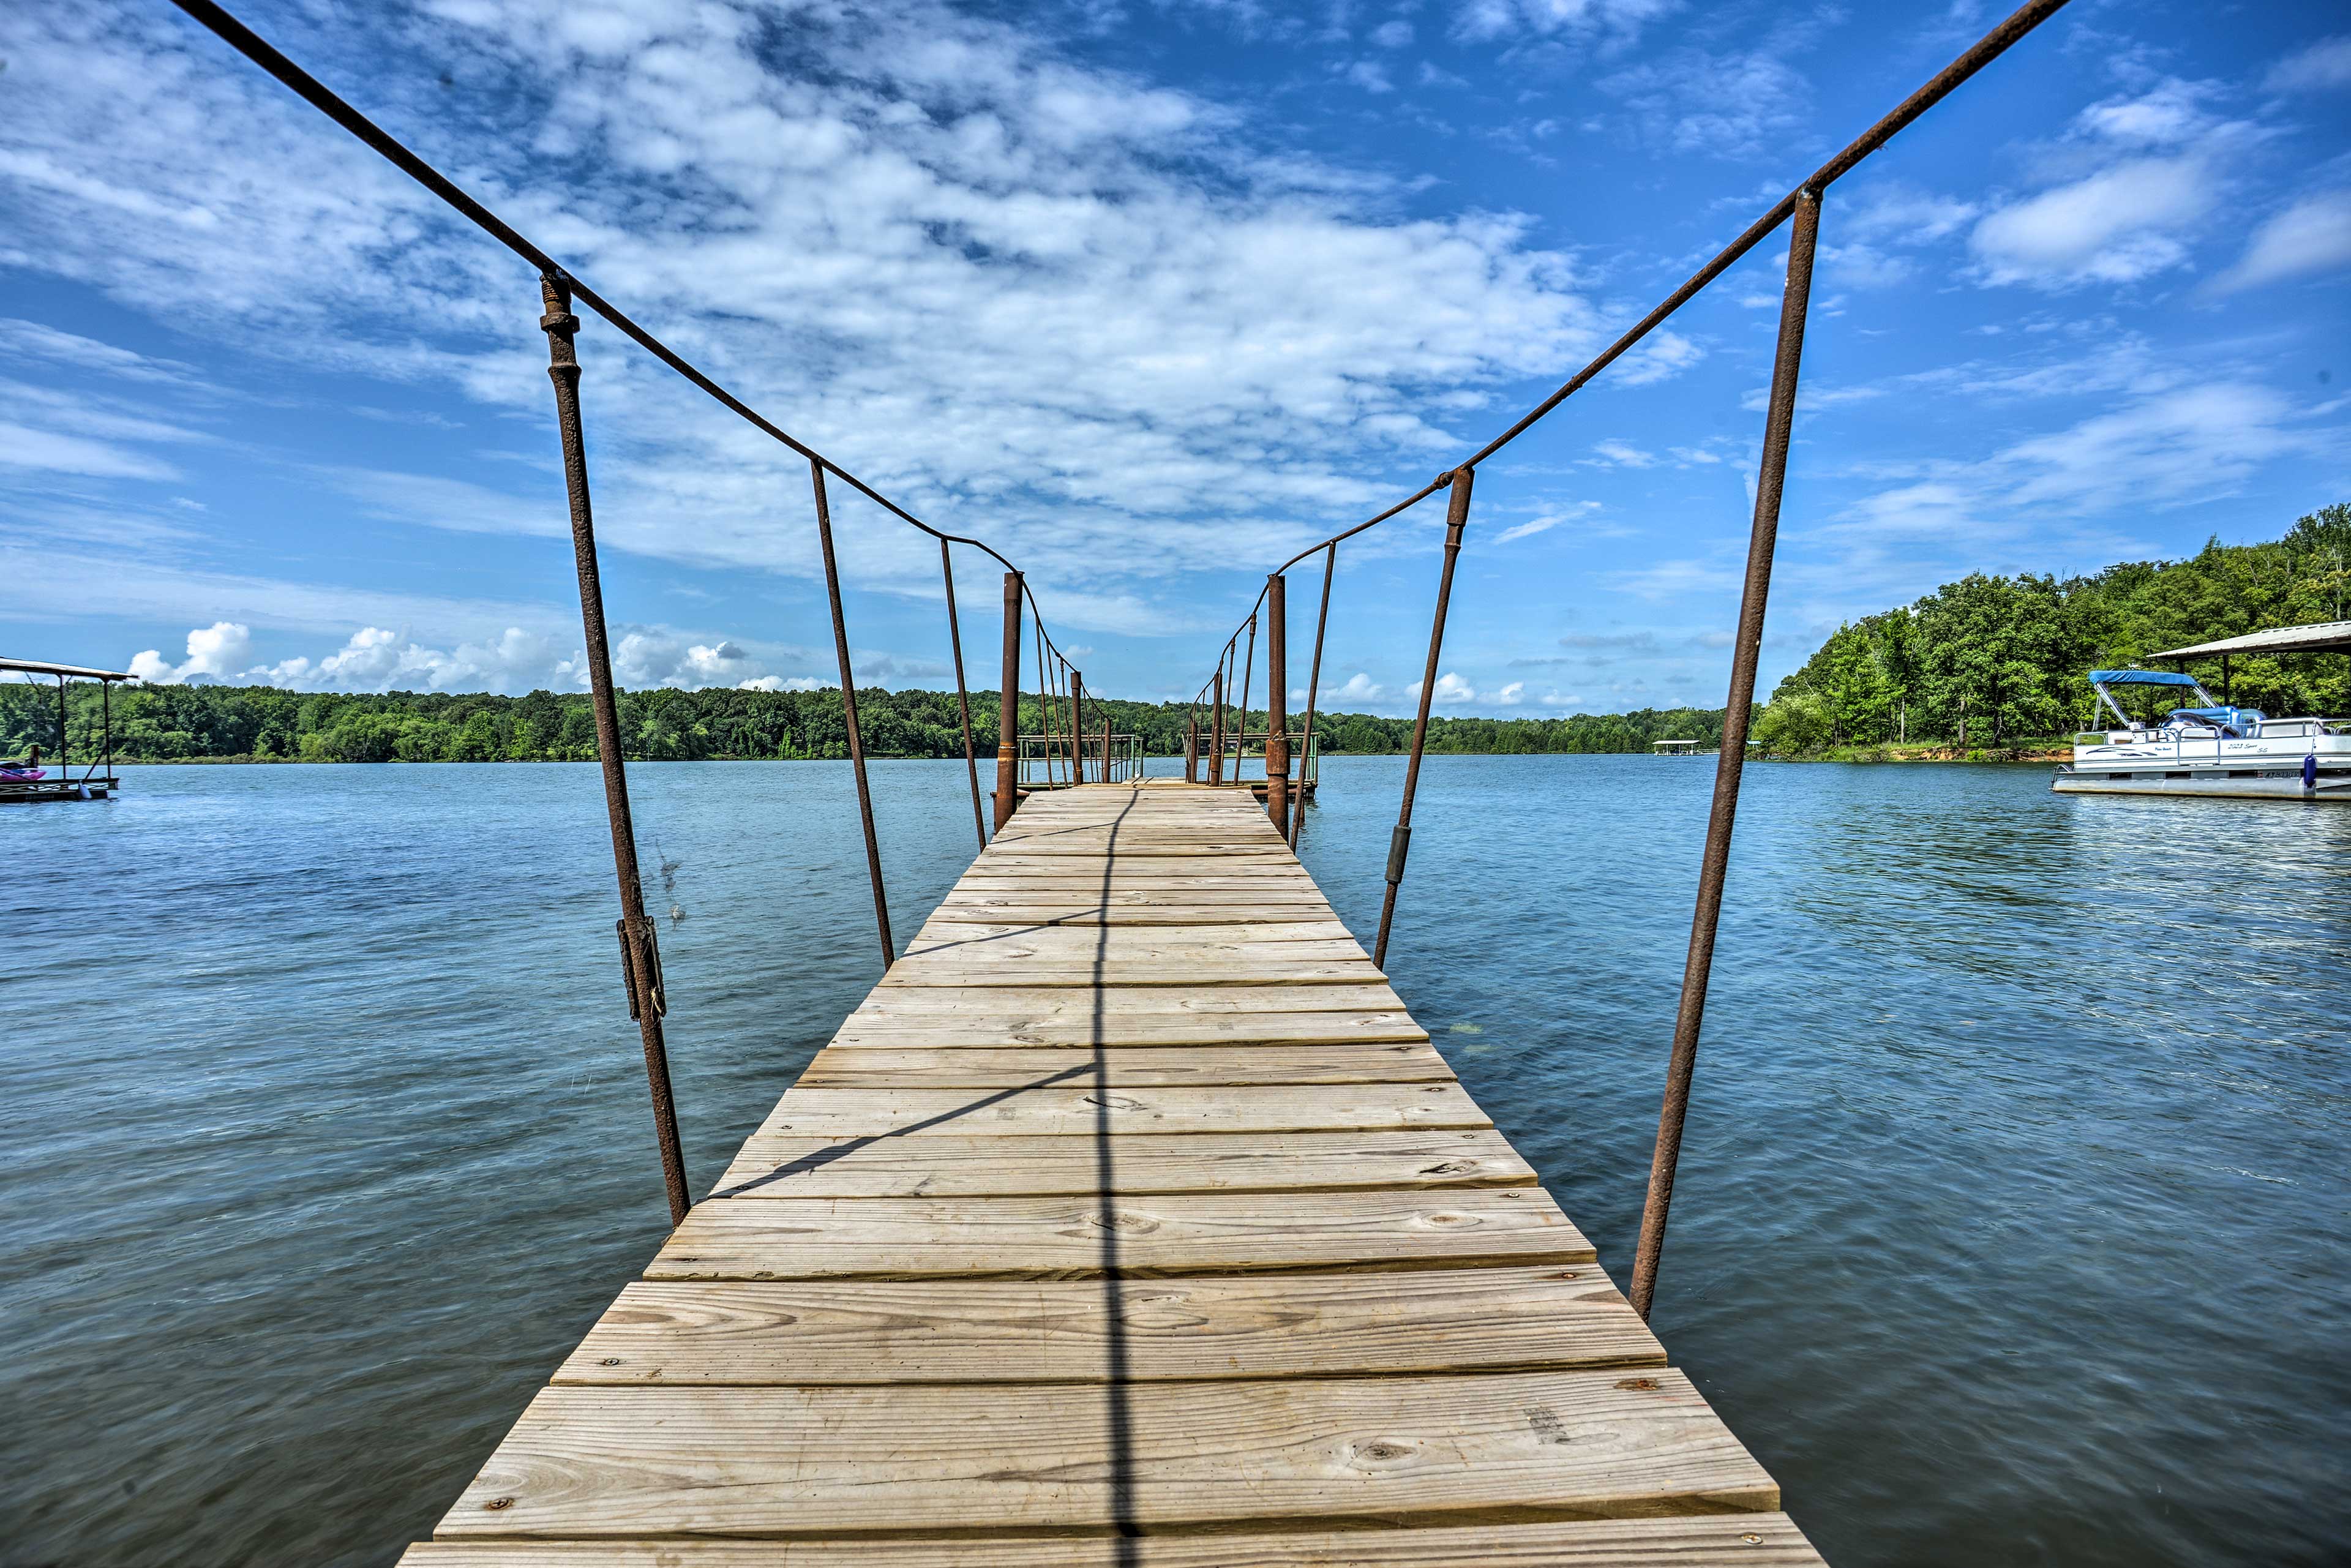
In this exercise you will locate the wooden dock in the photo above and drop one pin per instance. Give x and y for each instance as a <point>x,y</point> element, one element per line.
<point>1131,1222</point>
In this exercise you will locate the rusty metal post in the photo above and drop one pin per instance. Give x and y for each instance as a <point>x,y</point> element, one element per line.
<point>1277,705</point>
<point>1050,673</point>
<point>1313,688</point>
<point>61,731</point>
<point>640,947</point>
<point>1077,726</point>
<point>963,695</point>
<point>1105,767</point>
<point>1216,735</point>
<point>1248,675</point>
<point>848,711</point>
<point>1457,517</point>
<point>1192,746</point>
<point>1803,238</point>
<point>1008,709</point>
<point>106,721</point>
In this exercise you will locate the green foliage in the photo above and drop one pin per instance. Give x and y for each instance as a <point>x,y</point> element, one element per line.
<point>1995,661</point>
<point>168,723</point>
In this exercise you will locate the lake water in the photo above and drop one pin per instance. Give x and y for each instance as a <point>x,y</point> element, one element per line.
<point>2011,1224</point>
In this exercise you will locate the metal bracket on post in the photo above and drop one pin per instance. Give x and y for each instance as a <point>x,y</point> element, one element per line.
<point>1399,842</point>
<point>642,978</point>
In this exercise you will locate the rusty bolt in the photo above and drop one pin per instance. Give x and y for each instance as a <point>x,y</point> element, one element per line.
<point>1641,1383</point>
<point>496,1503</point>
<point>1752,1540</point>
<point>612,1360</point>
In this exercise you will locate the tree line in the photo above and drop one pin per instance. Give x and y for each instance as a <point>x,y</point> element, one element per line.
<point>268,724</point>
<point>1998,663</point>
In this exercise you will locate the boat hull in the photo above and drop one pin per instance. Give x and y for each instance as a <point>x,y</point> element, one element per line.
<point>2217,783</point>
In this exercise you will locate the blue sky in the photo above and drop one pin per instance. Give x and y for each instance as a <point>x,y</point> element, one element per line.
<point>1150,296</point>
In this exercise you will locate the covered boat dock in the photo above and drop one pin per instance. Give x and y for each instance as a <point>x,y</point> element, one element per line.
<point>25,781</point>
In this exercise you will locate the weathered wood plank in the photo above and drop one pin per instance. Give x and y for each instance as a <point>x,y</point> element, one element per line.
<point>1076,1106</point>
<point>1133,1236</point>
<point>1010,942</point>
<point>1205,999</point>
<point>1719,1540</point>
<point>951,1067</point>
<point>806,1333</point>
<point>1124,1030</point>
<point>1221,971</point>
<point>1377,1451</point>
<point>944,1165</point>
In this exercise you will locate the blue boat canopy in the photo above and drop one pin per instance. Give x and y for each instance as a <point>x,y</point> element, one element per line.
<point>2140,678</point>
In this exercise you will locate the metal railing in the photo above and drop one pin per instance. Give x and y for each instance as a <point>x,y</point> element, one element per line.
<point>1801,210</point>
<point>1046,763</point>
<point>1060,752</point>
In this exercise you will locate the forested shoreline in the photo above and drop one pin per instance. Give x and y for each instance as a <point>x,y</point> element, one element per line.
<point>1996,664</point>
<point>1986,666</point>
<point>268,724</point>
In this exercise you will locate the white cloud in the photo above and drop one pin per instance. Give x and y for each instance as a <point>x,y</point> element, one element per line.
<point>1618,22</point>
<point>2155,168</point>
<point>23,446</point>
<point>2324,64</point>
<point>784,683</point>
<point>1661,355</point>
<point>1512,696</point>
<point>218,651</point>
<point>1725,105</point>
<point>1393,34</point>
<point>1360,688</point>
<point>1623,455</point>
<point>2115,227</point>
<point>2312,235</point>
<point>1450,688</point>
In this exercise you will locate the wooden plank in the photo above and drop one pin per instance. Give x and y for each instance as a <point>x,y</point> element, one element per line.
<point>1158,972</point>
<point>1203,999</point>
<point>1076,1107</point>
<point>944,1164</point>
<point>1124,1030</point>
<point>1134,1236</point>
<point>834,1332</point>
<point>1358,1451</point>
<point>945,919</point>
<point>1005,942</point>
<point>843,1067</point>
<point>1717,1541</point>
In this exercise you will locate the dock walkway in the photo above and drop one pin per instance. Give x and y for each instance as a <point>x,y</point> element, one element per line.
<point>1130,1222</point>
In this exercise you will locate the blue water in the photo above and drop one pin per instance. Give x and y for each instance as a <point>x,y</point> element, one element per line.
<point>2010,1230</point>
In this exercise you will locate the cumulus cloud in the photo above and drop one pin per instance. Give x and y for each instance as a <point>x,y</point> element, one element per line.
<point>1513,695</point>
<point>1360,688</point>
<point>215,653</point>
<point>1451,689</point>
<point>2155,165</point>
<point>2310,237</point>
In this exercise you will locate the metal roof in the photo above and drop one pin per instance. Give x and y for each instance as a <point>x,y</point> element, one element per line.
<point>35,667</point>
<point>2326,637</point>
